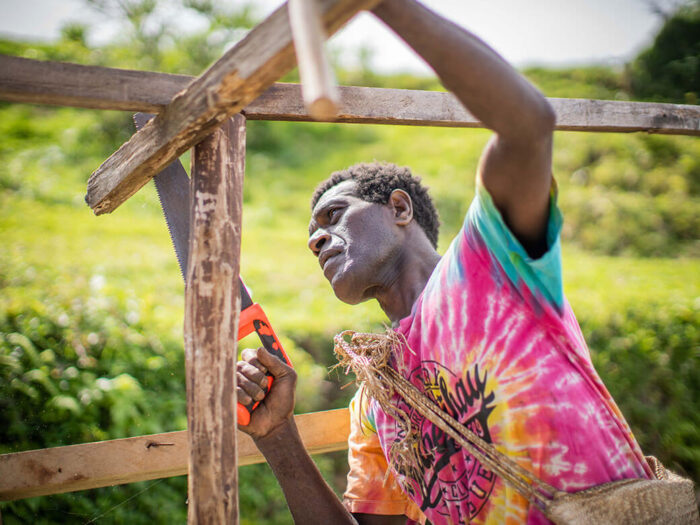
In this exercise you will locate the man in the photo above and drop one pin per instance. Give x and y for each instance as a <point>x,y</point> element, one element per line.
<point>489,335</point>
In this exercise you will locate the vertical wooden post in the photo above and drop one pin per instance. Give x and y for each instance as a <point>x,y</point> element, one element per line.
<point>212,305</point>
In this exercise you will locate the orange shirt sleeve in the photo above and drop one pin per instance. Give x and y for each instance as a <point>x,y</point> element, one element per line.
<point>369,489</point>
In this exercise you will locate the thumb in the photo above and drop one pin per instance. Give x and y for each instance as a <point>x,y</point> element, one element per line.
<point>273,364</point>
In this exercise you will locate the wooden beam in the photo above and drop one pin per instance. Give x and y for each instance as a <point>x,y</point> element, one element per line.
<point>212,308</point>
<point>364,105</point>
<point>236,79</point>
<point>33,81</point>
<point>64,84</point>
<point>115,462</point>
<point>317,83</point>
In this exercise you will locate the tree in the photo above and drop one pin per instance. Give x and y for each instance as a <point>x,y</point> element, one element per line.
<point>179,36</point>
<point>669,70</point>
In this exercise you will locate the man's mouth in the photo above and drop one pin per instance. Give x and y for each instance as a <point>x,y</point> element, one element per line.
<point>325,257</point>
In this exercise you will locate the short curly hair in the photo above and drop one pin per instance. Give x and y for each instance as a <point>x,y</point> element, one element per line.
<point>376,180</point>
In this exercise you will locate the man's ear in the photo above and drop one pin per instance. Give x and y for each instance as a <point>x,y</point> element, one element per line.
<point>402,207</point>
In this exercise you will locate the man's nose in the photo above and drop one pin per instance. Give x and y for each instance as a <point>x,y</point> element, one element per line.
<point>317,240</point>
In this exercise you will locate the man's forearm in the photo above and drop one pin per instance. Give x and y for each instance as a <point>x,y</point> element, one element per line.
<point>309,497</point>
<point>485,83</point>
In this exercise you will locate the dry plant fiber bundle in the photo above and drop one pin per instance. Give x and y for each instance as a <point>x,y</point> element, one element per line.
<point>669,499</point>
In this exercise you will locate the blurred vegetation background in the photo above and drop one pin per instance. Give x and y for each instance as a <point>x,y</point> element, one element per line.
<point>91,308</point>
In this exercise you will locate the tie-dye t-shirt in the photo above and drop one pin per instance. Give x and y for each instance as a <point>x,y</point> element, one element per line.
<point>494,343</point>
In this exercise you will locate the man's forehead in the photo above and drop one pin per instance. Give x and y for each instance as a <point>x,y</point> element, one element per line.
<point>347,188</point>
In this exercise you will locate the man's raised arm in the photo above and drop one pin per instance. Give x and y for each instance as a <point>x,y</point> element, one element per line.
<point>516,165</point>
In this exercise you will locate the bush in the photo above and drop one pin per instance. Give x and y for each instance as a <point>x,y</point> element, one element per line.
<point>670,69</point>
<point>77,370</point>
<point>635,195</point>
<point>649,357</point>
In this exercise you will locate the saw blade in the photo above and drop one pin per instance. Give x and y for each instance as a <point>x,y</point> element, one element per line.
<point>173,188</point>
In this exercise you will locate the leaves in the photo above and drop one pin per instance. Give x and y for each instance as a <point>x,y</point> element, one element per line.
<point>669,70</point>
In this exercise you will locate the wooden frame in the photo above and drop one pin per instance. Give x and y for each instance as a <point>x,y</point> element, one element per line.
<point>127,90</point>
<point>118,461</point>
<point>189,110</point>
<point>231,83</point>
<point>212,308</point>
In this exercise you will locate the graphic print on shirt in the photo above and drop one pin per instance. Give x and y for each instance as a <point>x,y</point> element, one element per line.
<point>449,482</point>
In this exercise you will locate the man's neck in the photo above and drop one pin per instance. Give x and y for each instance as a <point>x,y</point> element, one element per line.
<point>414,268</point>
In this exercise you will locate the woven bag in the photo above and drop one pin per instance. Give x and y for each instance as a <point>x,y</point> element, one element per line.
<point>667,500</point>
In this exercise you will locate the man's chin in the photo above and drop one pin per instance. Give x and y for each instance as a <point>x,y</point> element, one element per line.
<point>346,291</point>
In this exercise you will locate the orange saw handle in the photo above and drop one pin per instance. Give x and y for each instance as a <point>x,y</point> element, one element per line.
<point>253,319</point>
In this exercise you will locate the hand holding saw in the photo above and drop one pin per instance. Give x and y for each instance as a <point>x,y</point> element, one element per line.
<point>173,187</point>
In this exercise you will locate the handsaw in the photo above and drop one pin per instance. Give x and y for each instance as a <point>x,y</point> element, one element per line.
<point>173,187</point>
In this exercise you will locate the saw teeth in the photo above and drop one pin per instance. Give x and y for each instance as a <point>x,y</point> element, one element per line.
<point>172,188</point>
<point>180,264</point>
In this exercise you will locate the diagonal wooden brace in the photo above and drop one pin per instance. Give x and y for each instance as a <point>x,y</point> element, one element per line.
<point>236,79</point>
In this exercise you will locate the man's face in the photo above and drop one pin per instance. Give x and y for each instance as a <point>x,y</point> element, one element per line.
<point>355,242</point>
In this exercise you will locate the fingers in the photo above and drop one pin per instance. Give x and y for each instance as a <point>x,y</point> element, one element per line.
<point>274,365</point>
<point>251,379</point>
<point>251,382</point>
<point>250,355</point>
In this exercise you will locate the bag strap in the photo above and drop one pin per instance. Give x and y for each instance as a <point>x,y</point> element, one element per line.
<point>370,357</point>
<point>524,482</point>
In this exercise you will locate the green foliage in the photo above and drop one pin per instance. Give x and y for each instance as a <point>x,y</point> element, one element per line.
<point>153,36</point>
<point>670,69</point>
<point>634,195</point>
<point>595,82</point>
<point>86,367</point>
<point>73,366</point>
<point>649,357</point>
<point>144,503</point>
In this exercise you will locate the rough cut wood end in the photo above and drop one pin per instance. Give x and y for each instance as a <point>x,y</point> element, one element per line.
<point>323,109</point>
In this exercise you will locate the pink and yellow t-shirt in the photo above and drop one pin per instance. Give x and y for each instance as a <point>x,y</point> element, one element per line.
<point>495,344</point>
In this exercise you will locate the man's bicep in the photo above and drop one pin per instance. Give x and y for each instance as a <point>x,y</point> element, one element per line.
<point>376,519</point>
<point>518,176</point>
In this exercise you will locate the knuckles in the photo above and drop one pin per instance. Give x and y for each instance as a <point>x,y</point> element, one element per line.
<point>248,354</point>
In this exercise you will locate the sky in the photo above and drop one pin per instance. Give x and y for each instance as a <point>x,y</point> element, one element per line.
<point>543,32</point>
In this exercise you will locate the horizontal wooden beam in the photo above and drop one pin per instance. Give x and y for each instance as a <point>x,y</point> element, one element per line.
<point>264,55</point>
<point>33,81</point>
<point>65,84</point>
<point>434,108</point>
<point>92,465</point>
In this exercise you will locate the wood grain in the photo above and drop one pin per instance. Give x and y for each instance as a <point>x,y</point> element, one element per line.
<point>65,84</point>
<point>364,105</point>
<point>212,308</point>
<point>33,81</point>
<point>236,79</point>
<point>114,462</point>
